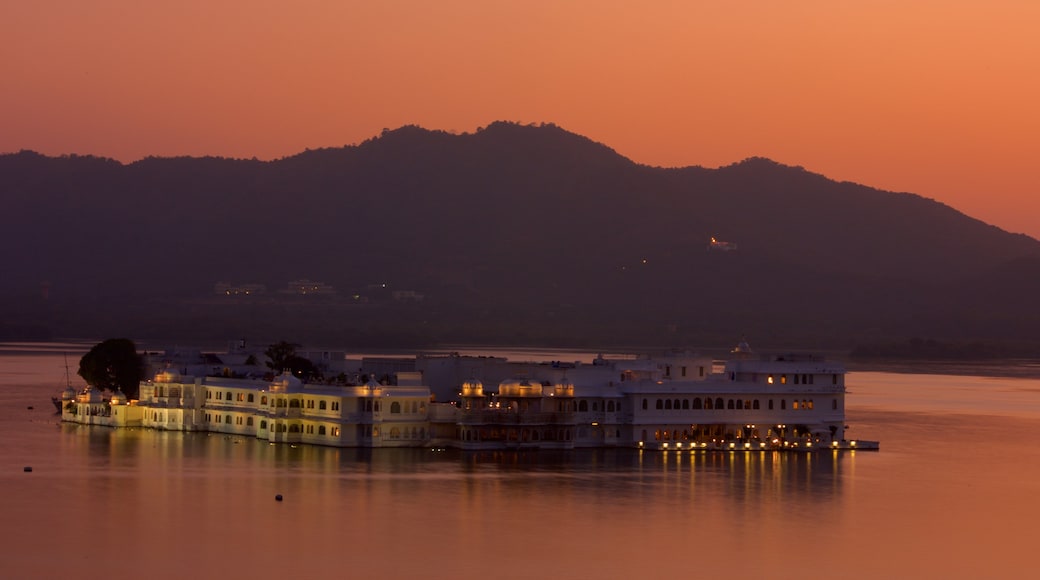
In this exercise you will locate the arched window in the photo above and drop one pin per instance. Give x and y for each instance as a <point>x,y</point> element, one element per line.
<point>754,405</point>
<point>783,379</point>
<point>322,405</point>
<point>747,404</point>
<point>321,429</point>
<point>395,433</point>
<point>675,404</point>
<point>610,406</point>
<point>667,404</point>
<point>263,424</point>
<point>395,407</point>
<point>227,419</point>
<point>707,403</point>
<point>583,406</point>
<point>263,400</point>
<point>294,403</point>
<point>719,404</point>
<point>729,404</point>
<point>685,404</point>
<point>794,404</point>
<point>697,403</point>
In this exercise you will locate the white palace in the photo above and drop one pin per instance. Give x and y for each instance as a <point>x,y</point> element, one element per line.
<point>674,401</point>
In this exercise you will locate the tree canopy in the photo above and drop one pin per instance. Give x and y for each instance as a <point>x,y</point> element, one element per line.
<point>282,355</point>
<point>113,364</point>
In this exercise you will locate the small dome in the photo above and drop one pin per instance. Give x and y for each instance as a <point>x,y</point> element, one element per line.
<point>118,398</point>
<point>288,382</point>
<point>68,394</point>
<point>373,383</point>
<point>90,395</point>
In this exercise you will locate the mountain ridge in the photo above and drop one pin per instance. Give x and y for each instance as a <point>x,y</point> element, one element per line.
<point>524,219</point>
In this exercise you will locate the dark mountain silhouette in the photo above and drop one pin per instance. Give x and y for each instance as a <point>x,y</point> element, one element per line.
<point>512,234</point>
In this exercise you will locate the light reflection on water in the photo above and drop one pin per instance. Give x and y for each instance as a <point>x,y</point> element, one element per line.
<point>951,493</point>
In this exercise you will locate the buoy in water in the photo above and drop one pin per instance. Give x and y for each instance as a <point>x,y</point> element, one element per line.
<point>278,497</point>
<point>27,469</point>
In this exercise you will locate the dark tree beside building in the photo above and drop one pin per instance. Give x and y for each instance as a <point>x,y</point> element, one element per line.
<point>114,365</point>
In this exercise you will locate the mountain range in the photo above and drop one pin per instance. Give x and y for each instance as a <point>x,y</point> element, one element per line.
<point>513,234</point>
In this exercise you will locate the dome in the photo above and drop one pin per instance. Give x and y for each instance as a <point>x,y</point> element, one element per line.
<point>90,395</point>
<point>373,383</point>
<point>288,383</point>
<point>118,398</point>
<point>68,394</point>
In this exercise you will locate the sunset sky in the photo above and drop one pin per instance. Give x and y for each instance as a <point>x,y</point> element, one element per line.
<point>938,98</point>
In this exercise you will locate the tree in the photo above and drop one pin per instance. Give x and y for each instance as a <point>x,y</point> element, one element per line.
<point>278,355</point>
<point>115,365</point>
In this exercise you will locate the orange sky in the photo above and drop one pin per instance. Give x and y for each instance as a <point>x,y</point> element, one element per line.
<point>935,97</point>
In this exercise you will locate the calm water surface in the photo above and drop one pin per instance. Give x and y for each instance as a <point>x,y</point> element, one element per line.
<point>954,493</point>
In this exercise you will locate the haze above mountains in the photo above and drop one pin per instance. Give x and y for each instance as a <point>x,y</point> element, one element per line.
<point>512,234</point>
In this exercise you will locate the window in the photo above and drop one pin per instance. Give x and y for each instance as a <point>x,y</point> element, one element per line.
<point>834,379</point>
<point>219,395</point>
<point>783,404</point>
<point>697,403</point>
<point>310,403</point>
<point>719,404</point>
<point>644,408</point>
<point>834,403</point>
<point>729,404</point>
<point>263,400</point>
<point>707,403</point>
<point>335,405</point>
<point>321,430</point>
<point>209,395</point>
<point>263,424</point>
<point>684,371</point>
<point>754,404</point>
<point>228,397</point>
<point>250,398</point>
<point>583,406</point>
<point>249,421</point>
<point>395,407</point>
<point>685,404</point>
<point>667,404</point>
<point>769,379</point>
<point>794,404</point>
<point>227,419</point>
<point>660,404</point>
<point>770,404</point>
<point>783,379</point>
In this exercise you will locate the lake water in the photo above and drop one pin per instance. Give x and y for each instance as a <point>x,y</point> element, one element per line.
<point>953,493</point>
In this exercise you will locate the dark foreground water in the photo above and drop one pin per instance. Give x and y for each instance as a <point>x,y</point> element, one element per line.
<point>953,493</point>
